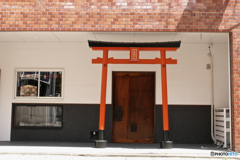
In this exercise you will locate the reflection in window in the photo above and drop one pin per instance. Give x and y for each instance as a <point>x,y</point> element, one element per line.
<point>39,84</point>
<point>38,116</point>
<point>27,84</point>
<point>50,84</point>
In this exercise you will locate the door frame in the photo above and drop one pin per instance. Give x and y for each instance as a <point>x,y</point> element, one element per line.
<point>154,109</point>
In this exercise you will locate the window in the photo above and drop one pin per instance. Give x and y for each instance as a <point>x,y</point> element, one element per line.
<point>37,116</point>
<point>39,83</point>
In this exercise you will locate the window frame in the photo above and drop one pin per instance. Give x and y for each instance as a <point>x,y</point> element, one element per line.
<point>38,92</point>
<point>14,105</point>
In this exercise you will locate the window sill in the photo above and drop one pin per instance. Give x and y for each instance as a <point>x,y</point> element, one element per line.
<point>47,99</point>
<point>35,127</point>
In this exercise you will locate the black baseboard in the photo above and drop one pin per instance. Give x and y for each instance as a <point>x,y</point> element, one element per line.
<point>187,125</point>
<point>78,122</point>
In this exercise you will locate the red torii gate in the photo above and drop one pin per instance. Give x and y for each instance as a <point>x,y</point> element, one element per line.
<point>134,59</point>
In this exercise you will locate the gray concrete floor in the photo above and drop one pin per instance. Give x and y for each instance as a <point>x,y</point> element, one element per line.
<point>118,151</point>
<point>211,147</point>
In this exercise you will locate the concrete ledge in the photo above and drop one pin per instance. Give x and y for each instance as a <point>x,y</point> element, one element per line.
<point>113,150</point>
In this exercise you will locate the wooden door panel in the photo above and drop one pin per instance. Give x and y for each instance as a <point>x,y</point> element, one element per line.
<point>120,99</point>
<point>146,99</point>
<point>121,83</point>
<point>135,93</point>
<point>144,84</point>
<point>142,134</point>
<point>119,132</point>
<point>133,84</point>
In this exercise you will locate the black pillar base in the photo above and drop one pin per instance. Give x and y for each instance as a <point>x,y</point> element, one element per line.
<point>101,143</point>
<point>166,144</point>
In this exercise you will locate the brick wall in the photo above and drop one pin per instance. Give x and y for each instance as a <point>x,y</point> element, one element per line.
<point>133,15</point>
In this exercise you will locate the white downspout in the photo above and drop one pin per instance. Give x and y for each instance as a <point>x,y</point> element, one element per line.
<point>212,97</point>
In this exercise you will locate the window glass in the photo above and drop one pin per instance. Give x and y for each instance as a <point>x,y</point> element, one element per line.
<point>50,84</point>
<point>27,84</point>
<point>38,116</point>
<point>39,84</point>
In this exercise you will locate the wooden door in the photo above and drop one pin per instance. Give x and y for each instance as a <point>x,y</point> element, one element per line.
<point>133,107</point>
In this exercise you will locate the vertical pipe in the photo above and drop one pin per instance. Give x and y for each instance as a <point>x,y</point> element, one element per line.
<point>164,96</point>
<point>230,82</point>
<point>103,95</point>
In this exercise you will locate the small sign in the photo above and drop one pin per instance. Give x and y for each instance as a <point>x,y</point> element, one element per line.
<point>134,54</point>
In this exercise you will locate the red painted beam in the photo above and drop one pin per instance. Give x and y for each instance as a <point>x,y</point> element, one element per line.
<point>141,61</point>
<point>128,48</point>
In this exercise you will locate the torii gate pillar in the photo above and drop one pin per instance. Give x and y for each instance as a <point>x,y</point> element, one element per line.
<point>101,143</point>
<point>165,143</point>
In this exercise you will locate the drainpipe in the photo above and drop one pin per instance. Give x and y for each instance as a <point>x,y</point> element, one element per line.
<point>212,95</point>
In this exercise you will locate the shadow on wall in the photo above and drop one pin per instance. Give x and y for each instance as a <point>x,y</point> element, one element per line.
<point>213,16</point>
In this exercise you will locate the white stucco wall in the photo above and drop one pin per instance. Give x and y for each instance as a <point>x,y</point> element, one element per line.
<point>188,81</point>
<point>221,75</point>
